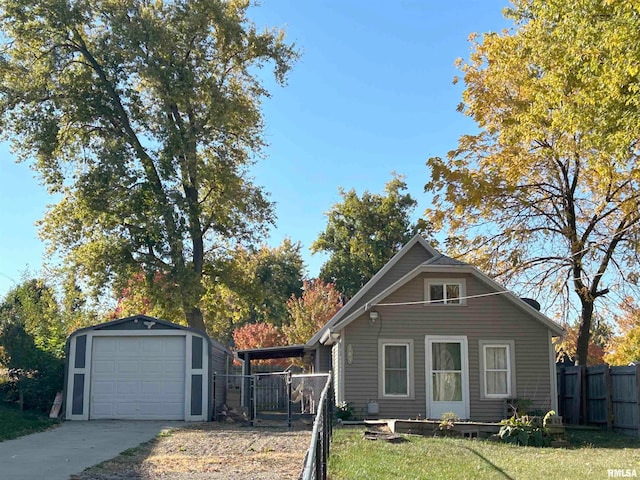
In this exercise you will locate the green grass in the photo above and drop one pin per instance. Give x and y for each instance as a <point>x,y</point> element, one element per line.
<point>14,423</point>
<point>592,453</point>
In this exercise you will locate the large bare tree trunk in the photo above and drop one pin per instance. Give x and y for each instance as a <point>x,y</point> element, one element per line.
<point>195,319</point>
<point>582,350</point>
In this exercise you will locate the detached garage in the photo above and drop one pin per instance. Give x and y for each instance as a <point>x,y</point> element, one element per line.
<point>139,368</point>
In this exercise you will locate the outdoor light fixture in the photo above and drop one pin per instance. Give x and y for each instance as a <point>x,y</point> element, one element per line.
<point>373,316</point>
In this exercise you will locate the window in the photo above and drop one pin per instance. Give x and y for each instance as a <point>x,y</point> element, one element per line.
<point>441,292</point>
<point>497,369</point>
<point>396,368</point>
<point>446,371</point>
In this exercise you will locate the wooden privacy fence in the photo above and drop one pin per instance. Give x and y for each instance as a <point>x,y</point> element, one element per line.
<point>600,395</point>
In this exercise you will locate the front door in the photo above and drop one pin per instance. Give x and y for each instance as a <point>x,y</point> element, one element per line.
<point>447,369</point>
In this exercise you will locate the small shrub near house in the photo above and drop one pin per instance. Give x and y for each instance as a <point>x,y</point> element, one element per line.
<point>446,428</point>
<point>344,411</point>
<point>524,430</point>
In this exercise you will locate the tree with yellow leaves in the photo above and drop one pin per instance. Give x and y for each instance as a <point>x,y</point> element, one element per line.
<point>546,195</point>
<point>625,347</point>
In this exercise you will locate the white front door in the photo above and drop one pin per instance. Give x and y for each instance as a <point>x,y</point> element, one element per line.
<point>447,369</point>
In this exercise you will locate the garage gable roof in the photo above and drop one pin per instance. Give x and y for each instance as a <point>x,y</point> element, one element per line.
<point>145,322</point>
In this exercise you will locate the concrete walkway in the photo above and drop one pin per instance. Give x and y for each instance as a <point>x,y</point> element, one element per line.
<point>72,447</point>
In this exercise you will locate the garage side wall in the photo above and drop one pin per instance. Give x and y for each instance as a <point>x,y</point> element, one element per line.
<point>221,361</point>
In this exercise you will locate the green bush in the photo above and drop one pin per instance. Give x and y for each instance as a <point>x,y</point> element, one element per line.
<point>344,411</point>
<point>34,375</point>
<point>524,430</point>
<point>447,423</point>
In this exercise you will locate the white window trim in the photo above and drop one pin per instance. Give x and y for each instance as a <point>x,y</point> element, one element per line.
<point>462,284</point>
<point>511,375</point>
<point>408,343</point>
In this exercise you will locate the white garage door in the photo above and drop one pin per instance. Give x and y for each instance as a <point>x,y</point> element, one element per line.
<point>138,378</point>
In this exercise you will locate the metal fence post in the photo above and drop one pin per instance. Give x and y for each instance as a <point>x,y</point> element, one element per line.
<point>214,410</point>
<point>289,399</point>
<point>316,460</point>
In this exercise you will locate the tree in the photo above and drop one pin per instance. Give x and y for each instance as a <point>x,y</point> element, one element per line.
<point>276,275</point>
<point>143,118</point>
<point>33,306</point>
<point>308,313</point>
<point>144,296</point>
<point>32,338</point>
<point>599,341</point>
<point>625,347</point>
<point>363,233</point>
<point>252,285</point>
<point>260,335</point>
<point>546,195</point>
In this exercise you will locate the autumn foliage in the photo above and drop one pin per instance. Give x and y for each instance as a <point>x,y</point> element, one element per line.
<point>567,349</point>
<point>307,314</point>
<point>260,335</point>
<point>625,347</point>
<point>152,296</point>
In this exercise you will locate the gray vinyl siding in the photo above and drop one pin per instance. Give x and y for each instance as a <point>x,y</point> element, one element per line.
<point>414,257</point>
<point>486,318</point>
<point>220,360</point>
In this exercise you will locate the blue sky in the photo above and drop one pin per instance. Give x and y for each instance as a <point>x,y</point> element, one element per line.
<point>371,94</point>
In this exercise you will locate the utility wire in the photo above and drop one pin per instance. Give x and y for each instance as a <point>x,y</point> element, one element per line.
<point>428,302</point>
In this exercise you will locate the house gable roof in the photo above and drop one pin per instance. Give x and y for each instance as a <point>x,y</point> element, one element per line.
<point>416,240</point>
<point>438,263</point>
<point>457,268</point>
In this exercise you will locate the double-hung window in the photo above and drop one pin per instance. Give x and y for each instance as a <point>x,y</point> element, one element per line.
<point>497,369</point>
<point>396,368</point>
<point>444,292</point>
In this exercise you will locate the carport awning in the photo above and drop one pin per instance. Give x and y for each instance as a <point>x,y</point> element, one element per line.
<point>267,353</point>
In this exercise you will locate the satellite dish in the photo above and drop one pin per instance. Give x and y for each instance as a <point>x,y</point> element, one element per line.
<point>533,303</point>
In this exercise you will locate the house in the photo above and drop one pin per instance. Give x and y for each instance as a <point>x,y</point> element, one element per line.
<point>142,368</point>
<point>429,334</point>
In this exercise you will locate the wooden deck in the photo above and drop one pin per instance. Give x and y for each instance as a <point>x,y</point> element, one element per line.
<point>429,427</point>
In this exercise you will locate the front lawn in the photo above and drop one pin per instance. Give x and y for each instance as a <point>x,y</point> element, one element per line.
<point>14,423</point>
<point>591,456</point>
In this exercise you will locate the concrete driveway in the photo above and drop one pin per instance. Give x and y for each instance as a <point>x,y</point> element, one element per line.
<point>73,446</point>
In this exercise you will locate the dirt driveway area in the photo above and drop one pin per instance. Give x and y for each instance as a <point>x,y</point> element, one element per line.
<point>211,451</point>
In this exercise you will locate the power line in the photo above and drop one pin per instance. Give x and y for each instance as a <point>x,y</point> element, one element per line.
<point>8,277</point>
<point>428,302</point>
